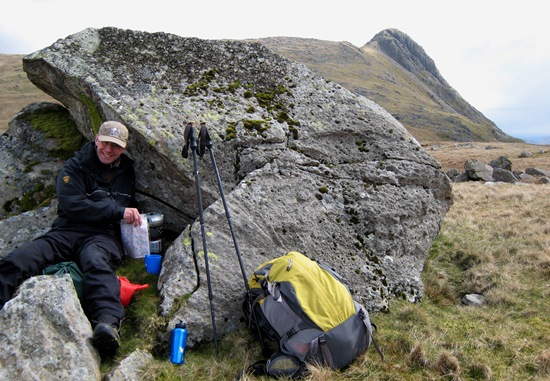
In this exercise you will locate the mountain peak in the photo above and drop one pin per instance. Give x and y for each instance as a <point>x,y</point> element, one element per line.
<point>406,52</point>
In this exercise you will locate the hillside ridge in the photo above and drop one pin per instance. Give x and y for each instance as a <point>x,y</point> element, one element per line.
<point>395,72</point>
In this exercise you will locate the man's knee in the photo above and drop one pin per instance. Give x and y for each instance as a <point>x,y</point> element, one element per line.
<point>99,256</point>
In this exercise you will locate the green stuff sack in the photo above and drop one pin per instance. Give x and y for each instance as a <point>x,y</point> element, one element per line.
<point>304,307</point>
<point>73,270</point>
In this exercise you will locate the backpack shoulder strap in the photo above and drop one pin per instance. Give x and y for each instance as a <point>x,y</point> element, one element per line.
<point>363,315</point>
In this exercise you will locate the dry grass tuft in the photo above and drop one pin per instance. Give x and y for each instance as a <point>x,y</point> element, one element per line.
<point>542,363</point>
<point>319,373</point>
<point>417,358</point>
<point>447,365</point>
<point>543,265</point>
<point>480,372</point>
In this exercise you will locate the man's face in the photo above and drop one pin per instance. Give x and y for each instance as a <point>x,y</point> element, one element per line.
<point>108,152</point>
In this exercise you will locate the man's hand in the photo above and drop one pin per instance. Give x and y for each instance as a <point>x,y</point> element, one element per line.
<point>132,216</point>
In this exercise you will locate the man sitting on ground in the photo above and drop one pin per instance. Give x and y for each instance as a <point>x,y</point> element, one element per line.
<point>95,191</point>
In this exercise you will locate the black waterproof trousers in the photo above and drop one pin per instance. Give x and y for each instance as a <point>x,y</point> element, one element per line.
<point>97,255</point>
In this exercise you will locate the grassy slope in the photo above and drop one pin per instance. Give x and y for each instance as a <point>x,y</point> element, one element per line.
<point>16,91</point>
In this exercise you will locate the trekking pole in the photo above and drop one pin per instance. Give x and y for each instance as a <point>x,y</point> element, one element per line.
<point>191,142</point>
<point>204,138</point>
<point>206,142</point>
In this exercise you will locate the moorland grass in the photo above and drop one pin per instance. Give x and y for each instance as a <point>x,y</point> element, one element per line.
<point>495,241</point>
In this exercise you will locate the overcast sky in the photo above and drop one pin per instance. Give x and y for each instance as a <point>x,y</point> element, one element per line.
<point>495,53</point>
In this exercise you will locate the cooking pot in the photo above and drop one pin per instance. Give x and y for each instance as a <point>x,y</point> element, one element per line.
<point>155,222</point>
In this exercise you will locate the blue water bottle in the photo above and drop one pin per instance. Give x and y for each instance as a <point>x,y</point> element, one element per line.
<point>178,343</point>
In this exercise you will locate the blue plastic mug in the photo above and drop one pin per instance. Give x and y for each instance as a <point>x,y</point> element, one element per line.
<point>153,263</point>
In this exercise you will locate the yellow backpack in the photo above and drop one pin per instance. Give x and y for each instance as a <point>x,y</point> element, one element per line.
<point>304,307</point>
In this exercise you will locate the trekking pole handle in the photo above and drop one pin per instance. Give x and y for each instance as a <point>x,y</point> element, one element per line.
<point>193,141</point>
<point>189,140</point>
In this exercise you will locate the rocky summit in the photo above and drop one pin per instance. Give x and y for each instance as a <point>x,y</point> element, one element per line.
<point>306,165</point>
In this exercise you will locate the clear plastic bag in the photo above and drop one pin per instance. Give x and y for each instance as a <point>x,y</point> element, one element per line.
<point>135,239</point>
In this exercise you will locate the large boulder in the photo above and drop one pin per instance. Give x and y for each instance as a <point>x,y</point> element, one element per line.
<point>45,334</point>
<point>305,165</point>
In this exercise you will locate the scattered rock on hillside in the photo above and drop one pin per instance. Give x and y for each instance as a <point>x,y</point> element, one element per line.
<point>525,154</point>
<point>504,175</point>
<point>498,170</point>
<point>478,170</point>
<point>537,172</point>
<point>501,162</point>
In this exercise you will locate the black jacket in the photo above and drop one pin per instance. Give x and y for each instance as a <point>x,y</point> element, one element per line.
<point>92,196</point>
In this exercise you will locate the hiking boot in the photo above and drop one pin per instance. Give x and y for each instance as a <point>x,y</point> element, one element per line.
<point>106,339</point>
